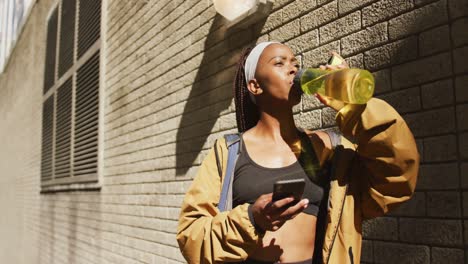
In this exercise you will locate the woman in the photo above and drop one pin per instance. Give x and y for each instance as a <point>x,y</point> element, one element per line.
<point>344,185</point>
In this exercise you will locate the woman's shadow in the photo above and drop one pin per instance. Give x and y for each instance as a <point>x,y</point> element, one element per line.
<point>210,97</point>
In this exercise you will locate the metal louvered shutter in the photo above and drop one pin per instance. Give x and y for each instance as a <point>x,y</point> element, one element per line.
<point>67,36</point>
<point>47,139</point>
<point>89,24</point>
<point>70,128</point>
<point>63,130</point>
<point>51,46</point>
<point>86,118</point>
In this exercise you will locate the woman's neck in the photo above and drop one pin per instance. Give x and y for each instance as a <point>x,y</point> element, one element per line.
<point>277,125</point>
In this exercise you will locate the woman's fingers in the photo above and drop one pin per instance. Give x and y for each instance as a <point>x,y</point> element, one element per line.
<point>287,211</point>
<point>278,205</point>
<point>294,210</point>
<point>287,214</point>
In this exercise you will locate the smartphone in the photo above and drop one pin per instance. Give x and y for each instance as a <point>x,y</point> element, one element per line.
<point>288,188</point>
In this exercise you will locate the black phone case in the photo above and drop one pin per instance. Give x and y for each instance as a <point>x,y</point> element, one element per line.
<point>287,188</point>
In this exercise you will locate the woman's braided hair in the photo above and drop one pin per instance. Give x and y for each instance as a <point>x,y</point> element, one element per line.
<point>246,111</point>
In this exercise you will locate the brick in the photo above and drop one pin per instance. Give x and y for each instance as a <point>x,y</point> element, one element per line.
<point>441,148</point>
<point>461,88</point>
<point>386,253</point>
<point>320,55</point>
<point>431,231</point>
<point>404,101</point>
<point>465,224</point>
<point>416,206</point>
<point>381,228</point>
<point>444,204</point>
<point>299,60</point>
<point>434,40</point>
<point>462,117</point>
<point>460,58</point>
<point>328,117</point>
<point>447,255</point>
<point>273,21</point>
<point>418,20</point>
<point>465,204</point>
<point>319,16</point>
<point>304,42</point>
<point>280,3</point>
<point>321,2</point>
<point>458,8</point>
<point>263,38</point>
<point>463,145</point>
<point>459,32</point>
<point>383,10</point>
<point>309,120</point>
<point>310,102</point>
<point>443,176</point>
<point>340,27</point>
<point>364,39</point>
<point>420,147</point>
<point>382,81</point>
<point>345,6</point>
<point>464,173</point>
<point>366,251</point>
<point>423,2</point>
<point>286,32</point>
<point>411,73</point>
<point>298,8</point>
<point>437,94</point>
<point>356,61</point>
<point>431,122</point>
<point>392,53</point>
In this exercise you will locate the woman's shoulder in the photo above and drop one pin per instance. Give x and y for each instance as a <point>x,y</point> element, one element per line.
<point>319,137</point>
<point>321,143</point>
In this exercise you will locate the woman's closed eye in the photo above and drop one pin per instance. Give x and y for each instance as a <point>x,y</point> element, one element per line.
<point>279,63</point>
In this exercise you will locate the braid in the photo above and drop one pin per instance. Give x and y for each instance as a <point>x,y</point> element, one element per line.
<point>246,111</point>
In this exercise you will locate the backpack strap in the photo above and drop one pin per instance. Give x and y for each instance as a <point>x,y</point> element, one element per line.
<point>335,137</point>
<point>233,145</point>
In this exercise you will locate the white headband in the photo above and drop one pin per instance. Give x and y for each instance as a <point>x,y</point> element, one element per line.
<point>251,62</point>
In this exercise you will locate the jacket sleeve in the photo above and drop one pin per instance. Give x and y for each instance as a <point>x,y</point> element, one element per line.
<point>387,156</point>
<point>206,235</point>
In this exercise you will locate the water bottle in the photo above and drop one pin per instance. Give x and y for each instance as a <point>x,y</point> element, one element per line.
<point>351,86</point>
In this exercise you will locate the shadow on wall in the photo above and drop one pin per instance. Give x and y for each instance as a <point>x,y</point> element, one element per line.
<point>212,90</point>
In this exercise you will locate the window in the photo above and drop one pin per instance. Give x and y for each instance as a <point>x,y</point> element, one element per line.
<point>70,111</point>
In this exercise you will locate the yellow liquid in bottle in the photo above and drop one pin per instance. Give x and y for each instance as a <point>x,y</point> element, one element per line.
<point>353,86</point>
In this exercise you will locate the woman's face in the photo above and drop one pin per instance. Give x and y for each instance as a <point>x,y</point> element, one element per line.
<point>275,73</point>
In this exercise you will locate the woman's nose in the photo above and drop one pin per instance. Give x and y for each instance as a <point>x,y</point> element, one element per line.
<point>293,71</point>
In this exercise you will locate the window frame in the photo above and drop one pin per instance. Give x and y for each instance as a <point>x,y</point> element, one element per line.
<point>83,182</point>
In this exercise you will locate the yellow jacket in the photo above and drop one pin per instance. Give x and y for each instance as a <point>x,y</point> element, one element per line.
<point>369,179</point>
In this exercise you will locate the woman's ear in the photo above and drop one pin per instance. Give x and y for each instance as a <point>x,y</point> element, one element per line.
<point>254,87</point>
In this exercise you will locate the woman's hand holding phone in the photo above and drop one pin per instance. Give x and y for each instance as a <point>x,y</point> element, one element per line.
<point>270,215</point>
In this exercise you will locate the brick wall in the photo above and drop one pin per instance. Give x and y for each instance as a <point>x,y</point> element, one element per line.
<point>168,67</point>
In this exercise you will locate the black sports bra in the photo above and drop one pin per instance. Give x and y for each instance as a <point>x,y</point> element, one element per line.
<point>252,180</point>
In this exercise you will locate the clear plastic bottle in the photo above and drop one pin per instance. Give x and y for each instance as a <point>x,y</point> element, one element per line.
<point>352,86</point>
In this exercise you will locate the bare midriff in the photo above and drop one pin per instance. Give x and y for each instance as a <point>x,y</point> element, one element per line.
<point>293,242</point>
